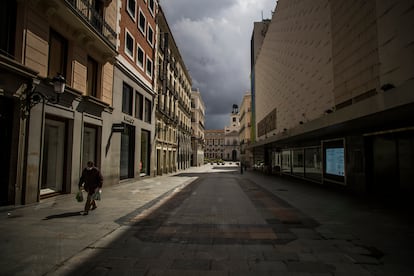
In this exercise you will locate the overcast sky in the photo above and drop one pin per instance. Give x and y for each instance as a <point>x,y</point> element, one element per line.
<point>213,37</point>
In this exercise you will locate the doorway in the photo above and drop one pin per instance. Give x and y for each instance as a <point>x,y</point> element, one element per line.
<point>6,135</point>
<point>127,152</point>
<point>53,157</point>
<point>145,153</point>
<point>390,163</point>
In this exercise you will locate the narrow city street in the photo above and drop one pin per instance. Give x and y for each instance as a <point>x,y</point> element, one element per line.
<point>209,220</point>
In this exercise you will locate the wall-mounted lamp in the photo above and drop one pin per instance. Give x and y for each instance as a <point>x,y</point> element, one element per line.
<point>34,97</point>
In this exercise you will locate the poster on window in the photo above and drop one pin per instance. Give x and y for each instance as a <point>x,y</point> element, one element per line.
<point>335,161</point>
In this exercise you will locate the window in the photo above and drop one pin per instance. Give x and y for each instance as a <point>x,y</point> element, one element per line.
<point>129,44</point>
<point>131,8</point>
<point>127,99</point>
<point>58,49</point>
<point>150,35</point>
<point>148,111</point>
<point>149,67</point>
<point>151,6</point>
<point>142,22</point>
<point>90,144</point>
<point>8,11</point>
<point>139,105</point>
<point>92,78</point>
<point>140,57</point>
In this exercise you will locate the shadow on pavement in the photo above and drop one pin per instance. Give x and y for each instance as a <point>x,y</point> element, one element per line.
<point>63,215</point>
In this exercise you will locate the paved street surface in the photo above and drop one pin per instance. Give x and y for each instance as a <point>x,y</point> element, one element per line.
<point>209,220</point>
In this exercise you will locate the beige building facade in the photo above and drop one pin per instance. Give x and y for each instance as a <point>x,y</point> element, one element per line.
<point>198,111</point>
<point>246,155</point>
<point>173,104</point>
<point>333,94</point>
<point>126,104</point>
<point>48,139</point>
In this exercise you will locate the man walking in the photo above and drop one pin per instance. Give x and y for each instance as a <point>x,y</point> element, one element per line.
<point>92,180</point>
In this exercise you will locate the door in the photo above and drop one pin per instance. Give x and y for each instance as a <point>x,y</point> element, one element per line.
<point>53,157</point>
<point>145,153</point>
<point>127,152</point>
<point>6,128</point>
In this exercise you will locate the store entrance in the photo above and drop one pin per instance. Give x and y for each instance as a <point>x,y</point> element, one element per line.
<point>127,152</point>
<point>391,160</point>
<point>6,129</point>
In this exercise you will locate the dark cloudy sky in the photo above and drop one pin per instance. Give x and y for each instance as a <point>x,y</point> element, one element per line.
<point>213,37</point>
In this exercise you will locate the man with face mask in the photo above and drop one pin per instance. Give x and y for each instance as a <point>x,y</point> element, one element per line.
<point>92,180</point>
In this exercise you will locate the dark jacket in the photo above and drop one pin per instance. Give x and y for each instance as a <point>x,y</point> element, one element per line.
<point>92,178</point>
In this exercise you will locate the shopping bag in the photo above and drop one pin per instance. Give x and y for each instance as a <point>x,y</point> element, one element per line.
<point>97,195</point>
<point>79,196</point>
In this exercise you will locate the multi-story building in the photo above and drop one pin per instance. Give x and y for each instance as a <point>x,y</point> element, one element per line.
<point>47,138</point>
<point>246,155</point>
<point>258,35</point>
<point>197,128</point>
<point>173,104</point>
<point>214,144</point>
<point>334,83</point>
<point>231,136</point>
<point>134,90</point>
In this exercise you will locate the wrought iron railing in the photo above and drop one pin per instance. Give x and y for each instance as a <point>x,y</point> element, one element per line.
<point>91,15</point>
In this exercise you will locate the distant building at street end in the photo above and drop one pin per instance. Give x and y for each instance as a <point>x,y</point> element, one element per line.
<point>197,128</point>
<point>214,144</point>
<point>231,136</point>
<point>333,95</point>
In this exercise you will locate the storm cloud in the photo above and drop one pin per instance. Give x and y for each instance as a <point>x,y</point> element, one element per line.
<point>214,39</point>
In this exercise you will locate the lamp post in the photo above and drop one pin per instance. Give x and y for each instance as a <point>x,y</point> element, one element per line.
<point>28,101</point>
<point>34,97</point>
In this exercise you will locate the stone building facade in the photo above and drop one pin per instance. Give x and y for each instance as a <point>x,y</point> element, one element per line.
<point>197,128</point>
<point>46,141</point>
<point>173,104</point>
<point>214,147</point>
<point>231,136</point>
<point>333,84</point>
<point>116,109</point>
<point>246,155</point>
<point>134,89</point>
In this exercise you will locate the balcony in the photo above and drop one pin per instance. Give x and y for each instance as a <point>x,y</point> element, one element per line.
<point>87,23</point>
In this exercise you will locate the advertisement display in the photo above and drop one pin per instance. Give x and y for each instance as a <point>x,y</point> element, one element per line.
<point>334,161</point>
<point>334,169</point>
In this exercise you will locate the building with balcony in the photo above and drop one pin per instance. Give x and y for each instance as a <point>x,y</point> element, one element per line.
<point>134,90</point>
<point>173,104</point>
<point>47,139</point>
<point>214,144</point>
<point>334,94</point>
<point>197,128</point>
<point>231,136</point>
<point>246,155</point>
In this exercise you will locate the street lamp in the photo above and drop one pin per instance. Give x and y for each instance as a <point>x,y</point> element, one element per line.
<point>34,97</point>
